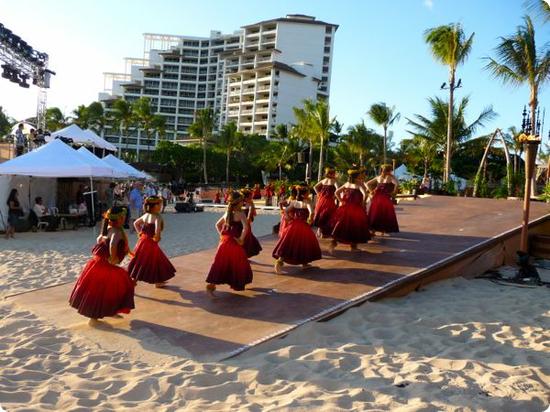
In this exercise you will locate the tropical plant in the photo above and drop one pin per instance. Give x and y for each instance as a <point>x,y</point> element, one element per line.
<point>420,150</point>
<point>202,128</point>
<point>80,116</point>
<point>518,62</point>
<point>434,128</point>
<point>55,119</point>
<point>540,8</point>
<point>383,116</point>
<point>321,125</point>
<point>450,47</point>
<point>302,129</point>
<point>148,121</point>
<point>5,123</point>
<point>123,118</point>
<point>229,140</point>
<point>364,142</point>
<point>96,117</point>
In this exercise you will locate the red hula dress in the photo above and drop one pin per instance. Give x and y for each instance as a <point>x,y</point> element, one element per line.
<point>251,244</point>
<point>257,193</point>
<point>150,264</point>
<point>324,209</point>
<point>231,264</point>
<point>351,223</point>
<point>298,245</point>
<point>103,289</point>
<point>382,216</point>
<point>284,224</point>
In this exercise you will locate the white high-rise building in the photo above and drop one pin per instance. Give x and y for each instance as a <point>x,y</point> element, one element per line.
<point>253,77</point>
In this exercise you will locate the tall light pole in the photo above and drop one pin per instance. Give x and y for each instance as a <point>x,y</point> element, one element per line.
<point>451,87</point>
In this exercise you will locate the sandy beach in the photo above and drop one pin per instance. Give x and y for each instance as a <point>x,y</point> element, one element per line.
<point>465,345</point>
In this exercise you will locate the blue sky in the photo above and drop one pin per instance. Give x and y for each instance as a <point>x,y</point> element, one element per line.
<point>379,51</point>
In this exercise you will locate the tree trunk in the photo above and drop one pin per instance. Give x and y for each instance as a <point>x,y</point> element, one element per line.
<point>227,167</point>
<point>481,167</point>
<point>204,160</point>
<point>447,170</point>
<point>361,159</point>
<point>321,159</point>
<point>425,169</point>
<point>280,171</point>
<point>309,162</point>
<point>384,157</point>
<point>119,141</point>
<point>533,105</point>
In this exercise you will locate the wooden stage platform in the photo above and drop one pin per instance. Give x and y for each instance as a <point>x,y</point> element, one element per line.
<point>440,237</point>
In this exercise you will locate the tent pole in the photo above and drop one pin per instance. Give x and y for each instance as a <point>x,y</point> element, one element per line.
<point>30,182</point>
<point>93,202</point>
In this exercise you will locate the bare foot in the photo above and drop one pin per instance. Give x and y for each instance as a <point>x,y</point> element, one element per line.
<point>93,322</point>
<point>210,288</point>
<point>160,285</point>
<point>354,248</point>
<point>117,316</point>
<point>306,266</point>
<point>278,266</point>
<point>331,247</point>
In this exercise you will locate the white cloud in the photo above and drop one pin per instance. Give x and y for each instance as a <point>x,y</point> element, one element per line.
<point>429,4</point>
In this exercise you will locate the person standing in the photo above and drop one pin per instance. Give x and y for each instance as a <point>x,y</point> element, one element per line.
<point>166,196</point>
<point>14,212</point>
<point>382,216</point>
<point>297,245</point>
<point>19,140</point>
<point>326,202</point>
<point>149,263</point>
<point>351,223</point>
<point>110,195</point>
<point>231,265</point>
<point>135,200</point>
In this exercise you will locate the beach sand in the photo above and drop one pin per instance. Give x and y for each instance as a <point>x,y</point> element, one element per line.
<point>466,345</point>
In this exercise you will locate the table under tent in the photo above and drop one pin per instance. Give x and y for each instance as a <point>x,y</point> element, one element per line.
<point>38,173</point>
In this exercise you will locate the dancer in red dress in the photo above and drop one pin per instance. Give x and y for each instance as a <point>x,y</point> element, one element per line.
<point>257,194</point>
<point>351,223</point>
<point>251,244</point>
<point>150,264</point>
<point>283,204</point>
<point>298,244</point>
<point>103,288</point>
<point>231,264</point>
<point>326,203</point>
<point>382,216</point>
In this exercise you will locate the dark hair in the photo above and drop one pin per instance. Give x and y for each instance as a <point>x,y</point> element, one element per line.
<point>37,199</point>
<point>303,191</point>
<point>294,192</point>
<point>112,184</point>
<point>11,197</point>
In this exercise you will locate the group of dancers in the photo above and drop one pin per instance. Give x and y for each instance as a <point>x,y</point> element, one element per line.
<point>349,214</point>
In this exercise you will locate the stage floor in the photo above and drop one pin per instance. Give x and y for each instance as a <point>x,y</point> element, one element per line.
<point>182,319</point>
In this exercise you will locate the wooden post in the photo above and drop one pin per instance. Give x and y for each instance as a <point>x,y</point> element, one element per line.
<point>530,154</point>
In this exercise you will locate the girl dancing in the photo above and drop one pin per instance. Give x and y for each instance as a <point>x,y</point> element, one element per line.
<point>150,264</point>
<point>231,264</point>
<point>351,223</point>
<point>326,203</point>
<point>103,288</point>
<point>382,216</point>
<point>297,245</point>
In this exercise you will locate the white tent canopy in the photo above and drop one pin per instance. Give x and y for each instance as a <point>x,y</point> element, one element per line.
<point>26,127</point>
<point>99,142</point>
<point>89,157</point>
<point>122,165</point>
<point>73,132</point>
<point>54,159</point>
<point>402,173</point>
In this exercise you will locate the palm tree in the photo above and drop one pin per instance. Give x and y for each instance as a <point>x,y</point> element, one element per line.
<point>434,128</point>
<point>424,149</point>
<point>96,117</point>
<point>512,140</point>
<point>229,139</point>
<point>144,117</point>
<point>540,8</point>
<point>450,47</point>
<point>202,128</point>
<point>158,125</point>
<point>361,141</point>
<point>80,116</point>
<point>123,117</point>
<point>383,116</point>
<point>303,130</point>
<point>519,62</point>
<point>321,125</point>
<point>55,119</point>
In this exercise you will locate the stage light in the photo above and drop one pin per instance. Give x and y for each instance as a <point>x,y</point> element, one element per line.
<point>14,76</point>
<point>6,71</point>
<point>23,82</point>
